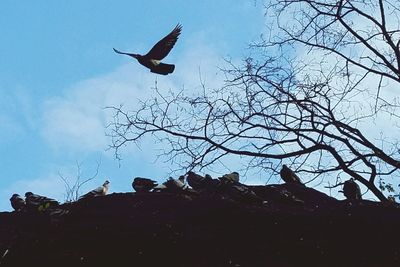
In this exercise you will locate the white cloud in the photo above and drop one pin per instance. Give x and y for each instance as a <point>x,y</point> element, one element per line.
<point>77,119</point>
<point>16,114</point>
<point>9,128</point>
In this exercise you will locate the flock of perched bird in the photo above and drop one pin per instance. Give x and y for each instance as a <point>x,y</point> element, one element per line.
<point>34,202</point>
<point>191,183</point>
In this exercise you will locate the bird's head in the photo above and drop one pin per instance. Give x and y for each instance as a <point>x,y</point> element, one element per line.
<point>14,196</point>
<point>182,178</point>
<point>106,183</point>
<point>28,194</point>
<point>208,177</point>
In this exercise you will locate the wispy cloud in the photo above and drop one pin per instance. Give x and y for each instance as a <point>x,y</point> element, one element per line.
<point>77,119</point>
<point>17,115</point>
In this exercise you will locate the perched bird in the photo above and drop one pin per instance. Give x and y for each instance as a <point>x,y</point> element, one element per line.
<point>38,202</point>
<point>230,177</point>
<point>141,185</point>
<point>351,190</point>
<point>17,202</point>
<point>289,176</point>
<point>99,191</point>
<point>160,50</point>
<point>195,180</point>
<point>175,185</point>
<point>198,182</point>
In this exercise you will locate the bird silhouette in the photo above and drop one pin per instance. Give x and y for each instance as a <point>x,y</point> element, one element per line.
<point>351,190</point>
<point>202,183</point>
<point>175,185</point>
<point>38,202</point>
<point>230,177</point>
<point>17,202</point>
<point>160,50</point>
<point>141,185</point>
<point>289,176</point>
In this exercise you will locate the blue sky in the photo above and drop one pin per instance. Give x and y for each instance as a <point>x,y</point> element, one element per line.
<point>58,72</point>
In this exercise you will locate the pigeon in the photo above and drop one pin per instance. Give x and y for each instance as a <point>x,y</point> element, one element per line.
<point>195,180</point>
<point>230,177</point>
<point>99,191</point>
<point>175,185</point>
<point>160,50</point>
<point>351,190</point>
<point>17,202</point>
<point>141,185</point>
<point>198,182</point>
<point>38,202</point>
<point>289,176</point>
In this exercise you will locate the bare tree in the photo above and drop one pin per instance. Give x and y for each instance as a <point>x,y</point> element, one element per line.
<point>364,34</point>
<point>74,184</point>
<point>283,106</point>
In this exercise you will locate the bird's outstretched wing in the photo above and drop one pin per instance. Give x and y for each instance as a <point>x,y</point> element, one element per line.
<point>122,53</point>
<point>161,49</point>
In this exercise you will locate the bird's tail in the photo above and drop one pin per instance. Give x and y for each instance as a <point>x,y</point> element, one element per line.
<point>163,68</point>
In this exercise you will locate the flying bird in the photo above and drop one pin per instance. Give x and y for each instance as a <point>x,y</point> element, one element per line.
<point>38,202</point>
<point>351,190</point>
<point>99,191</point>
<point>289,176</point>
<point>160,50</point>
<point>17,202</point>
<point>141,185</point>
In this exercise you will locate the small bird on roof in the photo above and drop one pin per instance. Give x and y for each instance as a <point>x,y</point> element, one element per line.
<point>141,185</point>
<point>289,176</point>
<point>230,177</point>
<point>175,185</point>
<point>17,202</point>
<point>99,191</point>
<point>160,50</point>
<point>38,202</point>
<point>202,183</point>
<point>197,181</point>
<point>351,190</point>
